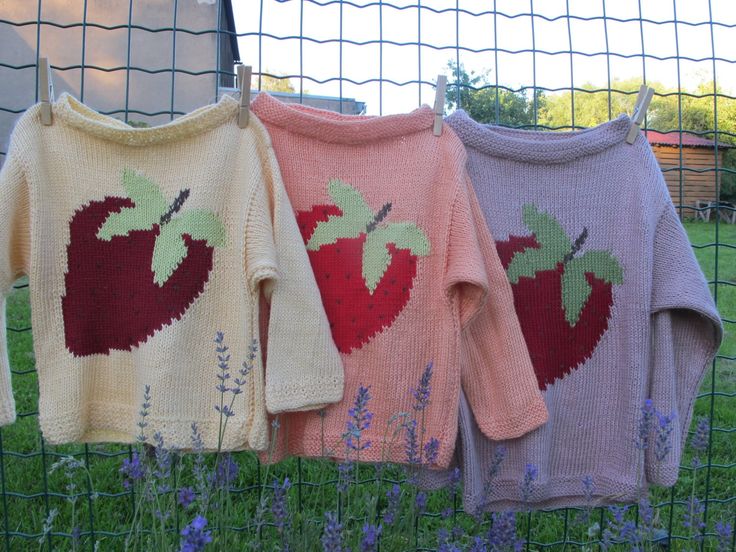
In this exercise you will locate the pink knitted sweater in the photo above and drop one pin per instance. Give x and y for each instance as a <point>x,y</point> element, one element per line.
<point>405,265</point>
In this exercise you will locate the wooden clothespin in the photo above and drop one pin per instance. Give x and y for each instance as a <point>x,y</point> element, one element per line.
<point>640,110</point>
<point>439,104</point>
<point>46,90</point>
<point>244,76</point>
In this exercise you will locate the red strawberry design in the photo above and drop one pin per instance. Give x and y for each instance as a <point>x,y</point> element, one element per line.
<point>133,266</point>
<point>563,296</point>
<point>365,268</point>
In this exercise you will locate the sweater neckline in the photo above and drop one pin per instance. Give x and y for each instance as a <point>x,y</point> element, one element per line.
<point>538,146</point>
<point>77,114</point>
<point>328,126</point>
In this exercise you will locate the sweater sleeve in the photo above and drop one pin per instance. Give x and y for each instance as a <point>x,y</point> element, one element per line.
<point>303,366</point>
<point>14,247</point>
<point>497,373</point>
<point>686,332</point>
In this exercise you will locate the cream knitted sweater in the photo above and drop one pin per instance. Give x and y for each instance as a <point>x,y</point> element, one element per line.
<point>141,244</point>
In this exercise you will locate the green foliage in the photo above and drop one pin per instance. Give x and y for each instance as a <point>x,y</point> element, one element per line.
<point>591,104</point>
<point>276,84</point>
<point>487,103</point>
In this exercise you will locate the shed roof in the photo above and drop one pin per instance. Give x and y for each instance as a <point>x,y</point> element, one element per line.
<point>688,140</point>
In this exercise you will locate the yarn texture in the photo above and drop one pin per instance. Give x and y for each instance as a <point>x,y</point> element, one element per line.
<point>140,244</point>
<point>405,266</point>
<point>613,305</point>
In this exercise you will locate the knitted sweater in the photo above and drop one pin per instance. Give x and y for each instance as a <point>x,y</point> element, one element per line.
<point>404,264</point>
<point>613,305</point>
<point>141,244</point>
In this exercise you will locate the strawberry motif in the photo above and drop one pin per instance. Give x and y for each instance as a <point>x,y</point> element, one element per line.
<point>133,266</point>
<point>364,267</point>
<point>563,296</point>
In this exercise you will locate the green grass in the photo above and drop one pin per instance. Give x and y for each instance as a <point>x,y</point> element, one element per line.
<point>26,461</point>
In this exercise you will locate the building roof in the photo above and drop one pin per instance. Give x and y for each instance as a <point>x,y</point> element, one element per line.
<point>688,140</point>
<point>230,19</point>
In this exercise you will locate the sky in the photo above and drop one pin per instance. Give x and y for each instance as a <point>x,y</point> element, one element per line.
<point>270,42</point>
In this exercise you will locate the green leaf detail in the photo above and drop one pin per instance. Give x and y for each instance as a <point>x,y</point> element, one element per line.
<point>553,241</point>
<point>547,231</point>
<point>356,215</point>
<point>350,201</point>
<point>575,288</point>
<point>200,225</point>
<point>376,257</point>
<point>575,292</point>
<point>168,253</point>
<point>529,262</point>
<point>602,264</point>
<point>150,205</point>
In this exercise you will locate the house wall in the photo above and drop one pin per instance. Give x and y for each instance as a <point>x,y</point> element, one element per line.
<point>695,185</point>
<point>106,91</point>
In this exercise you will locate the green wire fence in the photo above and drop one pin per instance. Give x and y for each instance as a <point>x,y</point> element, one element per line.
<point>147,62</point>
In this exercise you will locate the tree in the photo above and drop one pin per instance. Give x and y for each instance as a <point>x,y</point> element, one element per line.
<point>487,103</point>
<point>276,84</point>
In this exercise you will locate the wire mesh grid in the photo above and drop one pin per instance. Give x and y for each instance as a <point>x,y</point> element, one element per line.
<point>151,61</point>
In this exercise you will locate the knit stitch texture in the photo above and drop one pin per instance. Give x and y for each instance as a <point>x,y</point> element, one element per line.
<point>405,265</point>
<point>139,245</point>
<point>613,305</point>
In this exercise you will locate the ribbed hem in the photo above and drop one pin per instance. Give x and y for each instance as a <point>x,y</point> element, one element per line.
<point>533,146</point>
<point>117,423</point>
<point>76,114</point>
<point>328,126</point>
<point>299,397</point>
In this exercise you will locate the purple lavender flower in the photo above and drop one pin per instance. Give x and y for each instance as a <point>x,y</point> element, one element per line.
<point>420,502</point>
<point>444,542</point>
<point>143,413</point>
<point>499,455</point>
<point>359,420</point>
<point>478,545</point>
<point>502,533</point>
<point>699,441</point>
<point>133,470</point>
<point>693,517</point>
<point>279,507</point>
<point>431,451</point>
<point>226,471</point>
<point>620,530</point>
<point>724,533</point>
<point>246,369</point>
<point>645,422</point>
<point>223,362</point>
<point>196,438</point>
<point>392,509</point>
<point>369,542</point>
<point>186,497</point>
<point>344,475</point>
<point>446,513</point>
<point>527,484</point>
<point>76,534</point>
<point>455,477</point>
<point>422,393</point>
<point>194,536</point>
<point>588,488</point>
<point>646,515</point>
<point>332,534</point>
<point>162,469</point>
<point>411,446</point>
<point>663,441</point>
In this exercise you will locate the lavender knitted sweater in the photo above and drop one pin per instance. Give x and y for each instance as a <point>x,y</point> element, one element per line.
<point>613,305</point>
